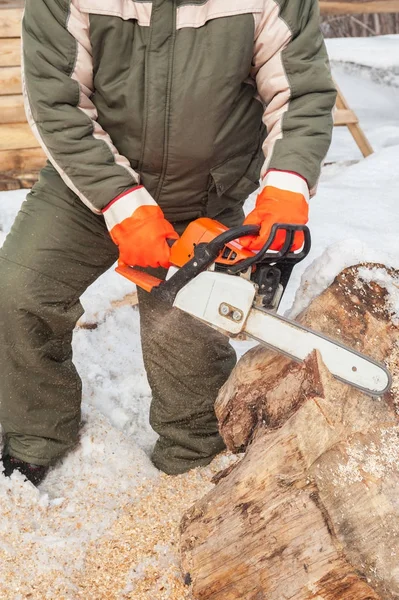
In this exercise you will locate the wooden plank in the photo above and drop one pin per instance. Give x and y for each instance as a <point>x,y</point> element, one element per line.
<point>344,116</point>
<point>10,22</point>
<point>11,4</point>
<point>11,182</point>
<point>16,136</point>
<point>10,52</point>
<point>16,181</point>
<point>352,8</point>
<point>10,81</point>
<point>12,109</point>
<point>32,159</point>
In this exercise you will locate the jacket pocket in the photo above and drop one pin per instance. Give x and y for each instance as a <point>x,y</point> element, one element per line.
<point>123,9</point>
<point>232,182</point>
<point>196,14</point>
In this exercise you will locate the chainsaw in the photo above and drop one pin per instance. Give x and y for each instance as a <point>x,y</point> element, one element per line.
<point>237,291</point>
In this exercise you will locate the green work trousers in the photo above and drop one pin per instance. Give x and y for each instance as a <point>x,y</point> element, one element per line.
<point>56,248</point>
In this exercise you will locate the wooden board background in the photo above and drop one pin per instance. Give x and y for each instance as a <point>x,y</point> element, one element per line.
<point>21,158</point>
<point>331,7</point>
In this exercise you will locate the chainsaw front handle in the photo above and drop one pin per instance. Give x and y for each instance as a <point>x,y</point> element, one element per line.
<point>285,254</point>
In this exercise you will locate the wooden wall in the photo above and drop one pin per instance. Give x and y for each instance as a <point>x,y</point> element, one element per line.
<point>359,18</point>
<point>19,151</point>
<point>347,7</point>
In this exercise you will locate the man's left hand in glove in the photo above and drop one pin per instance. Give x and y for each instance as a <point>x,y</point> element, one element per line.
<point>283,199</point>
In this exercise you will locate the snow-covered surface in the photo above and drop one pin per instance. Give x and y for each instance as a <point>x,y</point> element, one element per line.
<point>56,531</point>
<point>380,51</point>
<point>376,58</point>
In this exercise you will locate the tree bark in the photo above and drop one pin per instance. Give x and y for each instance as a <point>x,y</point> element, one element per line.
<point>311,511</point>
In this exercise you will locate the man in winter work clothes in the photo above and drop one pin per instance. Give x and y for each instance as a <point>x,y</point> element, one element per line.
<point>152,114</point>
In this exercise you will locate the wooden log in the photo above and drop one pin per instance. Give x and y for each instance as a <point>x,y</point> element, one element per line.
<point>12,109</point>
<point>130,299</point>
<point>17,181</point>
<point>10,52</point>
<point>22,160</point>
<point>10,81</point>
<point>17,136</point>
<point>10,22</point>
<point>311,511</point>
<point>353,8</point>
<point>8,183</point>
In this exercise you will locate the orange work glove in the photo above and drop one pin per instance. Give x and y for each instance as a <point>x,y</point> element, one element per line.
<point>138,227</point>
<point>284,199</point>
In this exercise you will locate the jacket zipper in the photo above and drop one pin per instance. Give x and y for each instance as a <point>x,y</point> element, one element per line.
<point>168,105</point>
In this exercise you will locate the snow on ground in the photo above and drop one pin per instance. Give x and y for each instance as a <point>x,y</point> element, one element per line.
<point>377,57</point>
<point>102,524</point>
<point>380,51</point>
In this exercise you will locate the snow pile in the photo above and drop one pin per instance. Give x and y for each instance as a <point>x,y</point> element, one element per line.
<point>110,363</point>
<point>388,281</point>
<point>337,257</point>
<point>352,220</point>
<point>377,57</point>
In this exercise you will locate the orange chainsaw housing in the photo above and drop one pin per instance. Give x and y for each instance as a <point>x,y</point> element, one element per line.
<point>205,230</point>
<point>202,230</point>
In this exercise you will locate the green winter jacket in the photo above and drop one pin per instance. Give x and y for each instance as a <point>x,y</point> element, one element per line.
<point>192,98</point>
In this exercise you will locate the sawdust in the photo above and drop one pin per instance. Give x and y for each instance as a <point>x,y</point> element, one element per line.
<point>372,459</point>
<point>137,559</point>
<point>393,366</point>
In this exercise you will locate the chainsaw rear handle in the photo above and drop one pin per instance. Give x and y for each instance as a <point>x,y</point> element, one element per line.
<point>285,255</point>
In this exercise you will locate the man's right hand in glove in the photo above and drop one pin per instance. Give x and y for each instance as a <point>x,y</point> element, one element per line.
<point>138,227</point>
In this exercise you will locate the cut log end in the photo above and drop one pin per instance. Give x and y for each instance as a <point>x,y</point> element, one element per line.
<point>267,388</point>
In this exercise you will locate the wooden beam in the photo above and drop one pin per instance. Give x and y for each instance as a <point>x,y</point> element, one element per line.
<point>10,52</point>
<point>31,159</point>
<point>12,109</point>
<point>344,117</point>
<point>17,181</point>
<point>352,8</point>
<point>10,81</point>
<point>10,22</point>
<point>131,299</point>
<point>355,129</point>
<point>17,136</point>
